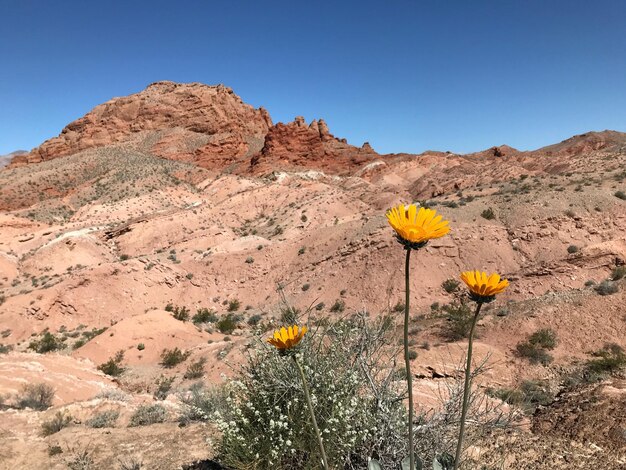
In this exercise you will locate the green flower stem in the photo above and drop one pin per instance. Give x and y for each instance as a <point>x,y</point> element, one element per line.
<point>407,361</point>
<point>466,388</point>
<point>305,386</point>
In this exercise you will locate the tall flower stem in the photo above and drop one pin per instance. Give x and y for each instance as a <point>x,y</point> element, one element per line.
<point>305,386</point>
<point>407,361</point>
<point>467,387</point>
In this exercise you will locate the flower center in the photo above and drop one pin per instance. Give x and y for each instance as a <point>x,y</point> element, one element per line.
<point>415,232</point>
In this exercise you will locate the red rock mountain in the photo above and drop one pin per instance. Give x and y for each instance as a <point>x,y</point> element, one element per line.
<point>179,121</point>
<point>209,126</point>
<point>299,145</point>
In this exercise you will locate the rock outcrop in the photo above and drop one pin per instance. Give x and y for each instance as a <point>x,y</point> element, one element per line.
<point>6,159</point>
<point>190,122</point>
<point>298,145</point>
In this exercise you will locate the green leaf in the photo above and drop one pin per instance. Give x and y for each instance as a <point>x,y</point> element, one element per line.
<point>374,464</point>
<point>443,462</point>
<point>406,463</point>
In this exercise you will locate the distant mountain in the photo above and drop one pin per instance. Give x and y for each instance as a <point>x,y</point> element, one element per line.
<point>5,159</point>
<point>587,142</point>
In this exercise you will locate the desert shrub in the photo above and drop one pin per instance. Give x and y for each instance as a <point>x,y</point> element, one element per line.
<point>173,357</point>
<point>545,338</point>
<point>181,313</point>
<point>54,450</point>
<point>80,460</point>
<point>113,366</point>
<point>488,214</point>
<point>358,408</point>
<point>104,419</point>
<point>254,320</point>
<point>572,249</point>
<point>459,318</point>
<point>113,394</point>
<point>450,285</point>
<point>200,403</point>
<point>533,352</point>
<point>412,355</point>
<point>529,395</point>
<point>535,348</point>
<point>233,305</point>
<point>610,359</point>
<point>59,421</point>
<point>130,464</point>
<point>227,324</point>
<point>398,307</point>
<point>204,315</point>
<point>620,195</point>
<point>146,415</point>
<point>338,307</point>
<point>195,370</point>
<point>358,400</point>
<point>4,349</point>
<point>289,315</point>
<point>47,343</point>
<point>89,335</point>
<point>618,273</point>
<point>606,287</point>
<point>36,396</point>
<point>163,387</point>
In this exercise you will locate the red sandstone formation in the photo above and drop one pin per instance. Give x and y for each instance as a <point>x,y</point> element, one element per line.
<point>296,145</point>
<point>177,121</point>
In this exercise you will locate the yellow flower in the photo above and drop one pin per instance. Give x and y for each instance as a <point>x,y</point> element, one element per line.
<point>482,287</point>
<point>414,227</point>
<point>287,338</point>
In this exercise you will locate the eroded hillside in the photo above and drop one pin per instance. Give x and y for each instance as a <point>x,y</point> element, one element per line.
<point>110,229</point>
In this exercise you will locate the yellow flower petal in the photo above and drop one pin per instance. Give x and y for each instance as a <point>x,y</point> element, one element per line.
<point>286,338</point>
<point>284,335</point>
<point>413,225</point>
<point>482,285</point>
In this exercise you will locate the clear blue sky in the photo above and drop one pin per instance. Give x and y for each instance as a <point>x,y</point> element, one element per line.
<point>403,75</point>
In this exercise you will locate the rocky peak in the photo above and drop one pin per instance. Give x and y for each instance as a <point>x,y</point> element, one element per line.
<point>199,114</point>
<point>299,145</point>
